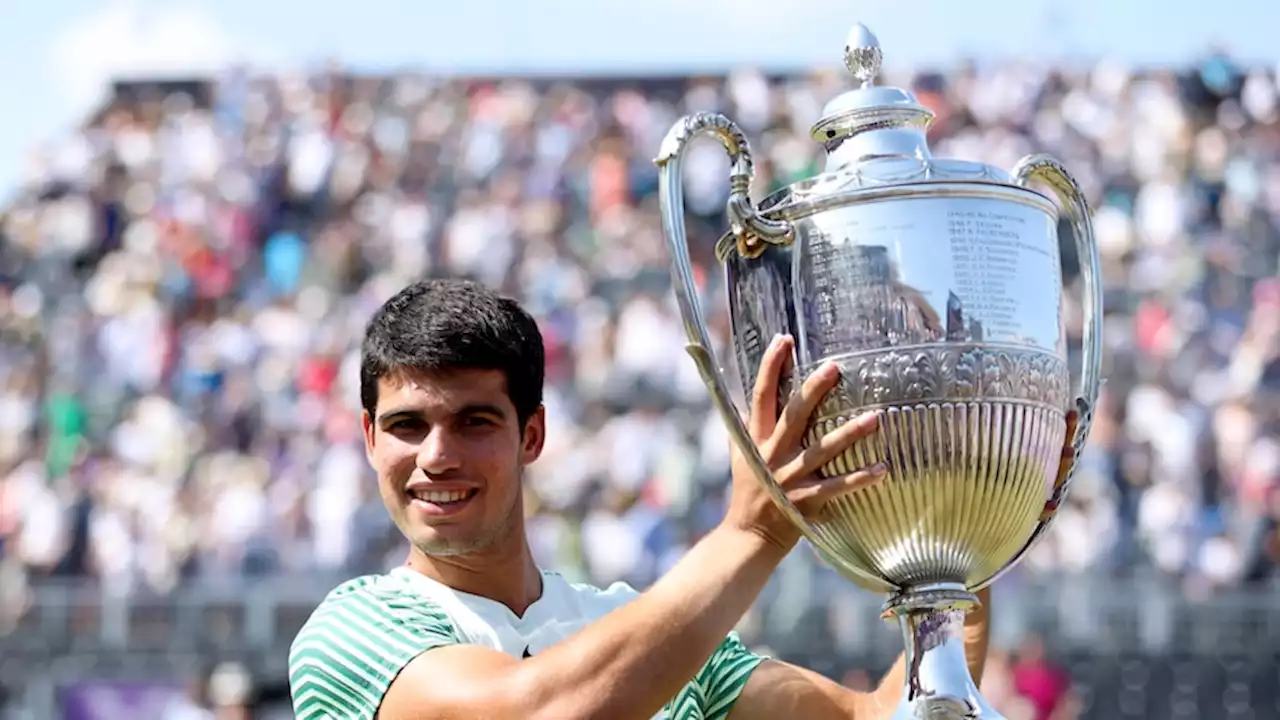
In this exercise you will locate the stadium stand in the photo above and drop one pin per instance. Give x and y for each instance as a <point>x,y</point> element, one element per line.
<point>184,278</point>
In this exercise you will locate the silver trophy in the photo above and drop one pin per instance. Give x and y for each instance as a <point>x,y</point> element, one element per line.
<point>936,285</point>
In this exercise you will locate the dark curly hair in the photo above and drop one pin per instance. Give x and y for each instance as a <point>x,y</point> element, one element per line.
<point>454,324</point>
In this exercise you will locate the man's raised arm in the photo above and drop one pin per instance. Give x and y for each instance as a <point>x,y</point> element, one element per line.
<point>631,662</point>
<point>626,665</point>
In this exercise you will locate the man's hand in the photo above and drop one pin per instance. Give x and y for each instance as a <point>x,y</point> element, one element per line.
<point>1065,465</point>
<point>780,438</point>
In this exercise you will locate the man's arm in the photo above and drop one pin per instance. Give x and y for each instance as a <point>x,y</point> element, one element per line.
<point>626,665</point>
<point>777,689</point>
<point>634,660</point>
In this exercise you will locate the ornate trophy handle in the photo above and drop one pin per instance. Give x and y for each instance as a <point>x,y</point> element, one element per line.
<point>753,233</point>
<point>1049,171</point>
<point>752,229</point>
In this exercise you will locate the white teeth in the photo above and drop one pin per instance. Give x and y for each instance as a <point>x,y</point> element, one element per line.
<point>433,496</point>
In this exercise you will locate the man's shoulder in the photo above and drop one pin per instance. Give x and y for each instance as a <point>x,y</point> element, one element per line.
<point>716,688</point>
<point>387,586</point>
<point>357,640</point>
<point>377,604</point>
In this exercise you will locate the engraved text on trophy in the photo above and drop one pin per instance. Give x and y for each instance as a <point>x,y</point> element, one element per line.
<point>930,270</point>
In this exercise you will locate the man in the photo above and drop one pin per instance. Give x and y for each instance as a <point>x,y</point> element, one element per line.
<point>451,383</point>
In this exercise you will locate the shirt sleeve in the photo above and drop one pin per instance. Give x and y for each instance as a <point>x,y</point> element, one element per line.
<point>721,680</point>
<point>716,687</point>
<point>344,659</point>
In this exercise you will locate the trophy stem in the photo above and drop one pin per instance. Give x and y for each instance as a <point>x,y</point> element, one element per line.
<point>939,686</point>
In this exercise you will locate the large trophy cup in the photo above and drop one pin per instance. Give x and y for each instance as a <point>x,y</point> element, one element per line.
<point>936,286</point>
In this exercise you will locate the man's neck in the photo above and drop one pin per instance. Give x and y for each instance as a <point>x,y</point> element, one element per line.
<point>504,573</point>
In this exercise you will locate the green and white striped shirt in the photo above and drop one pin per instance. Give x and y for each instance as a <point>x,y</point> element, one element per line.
<point>366,631</point>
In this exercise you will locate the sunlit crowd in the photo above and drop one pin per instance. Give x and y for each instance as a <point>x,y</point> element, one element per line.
<point>184,282</point>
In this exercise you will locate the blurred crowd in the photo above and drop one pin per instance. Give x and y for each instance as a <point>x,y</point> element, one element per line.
<point>184,281</point>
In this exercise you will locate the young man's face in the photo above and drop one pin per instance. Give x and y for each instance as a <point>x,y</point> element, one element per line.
<point>449,451</point>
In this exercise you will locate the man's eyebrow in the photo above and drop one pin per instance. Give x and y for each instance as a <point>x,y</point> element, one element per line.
<point>398,414</point>
<point>480,409</point>
<point>468,409</point>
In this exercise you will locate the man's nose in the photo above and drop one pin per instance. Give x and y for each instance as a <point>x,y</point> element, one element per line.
<point>438,452</point>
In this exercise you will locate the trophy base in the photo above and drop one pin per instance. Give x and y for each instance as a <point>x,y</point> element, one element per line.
<point>939,686</point>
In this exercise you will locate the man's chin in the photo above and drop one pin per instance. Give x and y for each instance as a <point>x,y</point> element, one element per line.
<point>435,544</point>
<point>451,539</point>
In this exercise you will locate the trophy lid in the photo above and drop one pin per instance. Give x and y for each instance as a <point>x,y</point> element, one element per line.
<point>869,107</point>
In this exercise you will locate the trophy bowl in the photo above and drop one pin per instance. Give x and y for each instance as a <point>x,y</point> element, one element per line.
<point>936,286</point>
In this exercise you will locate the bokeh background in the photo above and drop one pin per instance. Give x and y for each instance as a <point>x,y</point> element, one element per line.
<point>201,204</point>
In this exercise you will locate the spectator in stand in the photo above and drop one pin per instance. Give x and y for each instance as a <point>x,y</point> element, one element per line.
<point>1044,685</point>
<point>184,277</point>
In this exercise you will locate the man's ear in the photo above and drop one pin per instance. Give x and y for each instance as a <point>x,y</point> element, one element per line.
<point>370,432</point>
<point>534,436</point>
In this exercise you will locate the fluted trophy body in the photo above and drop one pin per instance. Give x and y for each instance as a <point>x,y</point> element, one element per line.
<point>936,286</point>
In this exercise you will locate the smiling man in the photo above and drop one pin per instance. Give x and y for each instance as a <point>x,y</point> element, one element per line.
<point>470,627</point>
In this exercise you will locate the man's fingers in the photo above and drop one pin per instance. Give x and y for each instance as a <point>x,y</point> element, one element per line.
<point>831,445</point>
<point>1065,465</point>
<point>1066,462</point>
<point>812,494</point>
<point>764,396</point>
<point>801,406</point>
<point>1073,423</point>
<point>1068,459</point>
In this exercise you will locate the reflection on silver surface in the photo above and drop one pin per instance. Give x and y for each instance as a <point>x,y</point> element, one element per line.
<point>935,285</point>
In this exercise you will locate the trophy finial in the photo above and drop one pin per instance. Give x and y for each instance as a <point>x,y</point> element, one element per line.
<point>862,54</point>
<point>874,115</point>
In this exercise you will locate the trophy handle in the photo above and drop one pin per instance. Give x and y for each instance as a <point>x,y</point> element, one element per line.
<point>753,232</point>
<point>1047,170</point>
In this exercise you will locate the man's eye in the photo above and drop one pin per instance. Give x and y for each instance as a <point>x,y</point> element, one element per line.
<point>477,421</point>
<point>406,426</point>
